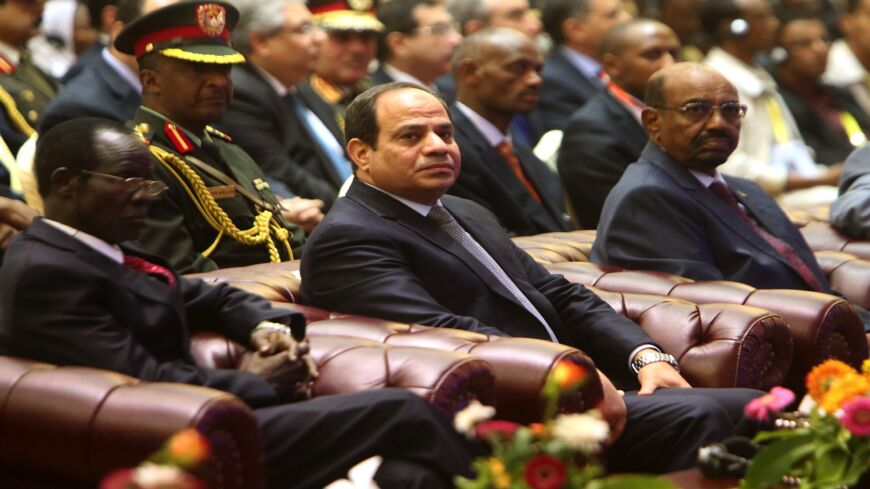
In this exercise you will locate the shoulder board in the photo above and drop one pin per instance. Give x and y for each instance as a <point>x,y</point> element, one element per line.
<point>6,67</point>
<point>178,139</point>
<point>215,132</point>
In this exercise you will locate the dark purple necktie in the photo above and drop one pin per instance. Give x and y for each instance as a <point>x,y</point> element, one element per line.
<point>723,192</point>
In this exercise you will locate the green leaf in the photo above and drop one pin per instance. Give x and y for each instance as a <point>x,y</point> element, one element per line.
<point>766,436</point>
<point>829,464</point>
<point>631,482</point>
<point>777,459</point>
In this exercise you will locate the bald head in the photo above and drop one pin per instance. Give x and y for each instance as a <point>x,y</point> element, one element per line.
<point>497,74</point>
<point>693,113</point>
<point>634,50</point>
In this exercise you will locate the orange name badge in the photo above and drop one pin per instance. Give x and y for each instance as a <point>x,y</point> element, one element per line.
<point>222,192</point>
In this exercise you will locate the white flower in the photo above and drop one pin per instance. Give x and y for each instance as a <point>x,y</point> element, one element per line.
<point>360,476</point>
<point>584,432</point>
<point>468,418</point>
<point>152,475</point>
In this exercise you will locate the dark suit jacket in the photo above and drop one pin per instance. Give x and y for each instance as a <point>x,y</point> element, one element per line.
<point>374,256</point>
<point>488,180</point>
<point>565,89</point>
<point>659,217</point>
<point>268,129</point>
<point>445,85</point>
<point>830,146</point>
<point>83,61</point>
<point>599,142</point>
<point>99,91</point>
<point>65,303</point>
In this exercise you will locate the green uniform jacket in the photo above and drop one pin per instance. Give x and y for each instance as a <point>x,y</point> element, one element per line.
<point>175,227</point>
<point>30,90</point>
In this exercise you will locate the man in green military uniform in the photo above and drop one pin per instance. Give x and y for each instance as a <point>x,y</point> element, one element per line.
<point>219,211</point>
<point>24,89</point>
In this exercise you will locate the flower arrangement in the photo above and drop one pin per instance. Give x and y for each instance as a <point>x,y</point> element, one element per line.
<point>829,448</point>
<point>182,463</point>
<point>545,455</point>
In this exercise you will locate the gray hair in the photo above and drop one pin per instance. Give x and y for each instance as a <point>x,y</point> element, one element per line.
<point>464,11</point>
<point>264,17</point>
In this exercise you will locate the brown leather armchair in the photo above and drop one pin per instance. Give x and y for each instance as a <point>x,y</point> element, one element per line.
<point>743,347</point>
<point>822,326</point>
<point>822,236</point>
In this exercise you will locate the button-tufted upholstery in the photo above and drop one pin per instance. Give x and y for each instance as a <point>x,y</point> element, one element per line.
<point>821,236</point>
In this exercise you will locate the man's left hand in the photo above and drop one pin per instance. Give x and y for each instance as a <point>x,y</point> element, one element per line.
<point>659,374</point>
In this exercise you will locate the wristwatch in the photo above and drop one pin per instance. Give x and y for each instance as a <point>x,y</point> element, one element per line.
<point>652,357</point>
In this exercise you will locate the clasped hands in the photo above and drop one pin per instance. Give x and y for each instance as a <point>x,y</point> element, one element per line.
<point>282,361</point>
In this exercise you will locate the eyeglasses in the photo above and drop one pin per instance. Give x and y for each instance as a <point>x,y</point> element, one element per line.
<point>438,30</point>
<point>304,29</point>
<point>133,184</point>
<point>699,111</point>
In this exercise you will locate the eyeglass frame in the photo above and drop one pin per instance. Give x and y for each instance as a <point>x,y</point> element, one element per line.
<point>131,184</point>
<point>440,29</point>
<point>683,109</point>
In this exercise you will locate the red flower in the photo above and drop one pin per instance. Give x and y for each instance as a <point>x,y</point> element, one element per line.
<point>569,375</point>
<point>502,429</point>
<point>119,479</point>
<point>545,472</point>
<point>189,448</point>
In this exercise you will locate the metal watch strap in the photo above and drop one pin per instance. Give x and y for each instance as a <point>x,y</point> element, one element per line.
<point>654,357</point>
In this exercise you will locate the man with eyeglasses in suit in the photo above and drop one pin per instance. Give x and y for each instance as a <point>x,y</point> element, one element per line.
<point>417,42</point>
<point>674,212</point>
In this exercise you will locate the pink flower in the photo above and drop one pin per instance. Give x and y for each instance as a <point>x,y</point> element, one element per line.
<point>856,416</point>
<point>502,429</point>
<point>776,400</point>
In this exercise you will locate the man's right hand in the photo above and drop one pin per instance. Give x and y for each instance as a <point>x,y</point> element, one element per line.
<point>289,372</point>
<point>612,407</point>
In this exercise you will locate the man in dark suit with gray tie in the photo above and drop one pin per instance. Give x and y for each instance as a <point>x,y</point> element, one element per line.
<point>497,77</point>
<point>397,248</point>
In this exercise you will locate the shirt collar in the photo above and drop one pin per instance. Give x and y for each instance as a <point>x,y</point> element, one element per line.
<point>122,70</point>
<point>10,53</point>
<point>707,180</point>
<point>273,82</point>
<point>194,138</point>
<point>399,75</point>
<point>590,67</point>
<point>422,209</point>
<point>113,252</point>
<point>493,135</point>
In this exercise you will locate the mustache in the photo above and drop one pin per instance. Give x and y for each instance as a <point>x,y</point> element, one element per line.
<point>715,134</point>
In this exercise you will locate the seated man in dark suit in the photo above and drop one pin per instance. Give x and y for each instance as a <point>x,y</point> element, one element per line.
<point>73,293</point>
<point>672,211</point>
<point>285,127</point>
<point>496,73</point>
<point>108,87</point>
<point>605,136</point>
<point>397,248</point>
<point>828,117</point>
<point>851,211</point>
<point>416,44</point>
<point>571,72</point>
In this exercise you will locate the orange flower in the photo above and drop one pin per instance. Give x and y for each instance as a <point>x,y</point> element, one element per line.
<point>821,377</point>
<point>538,429</point>
<point>568,375</point>
<point>843,390</point>
<point>865,367</point>
<point>188,448</point>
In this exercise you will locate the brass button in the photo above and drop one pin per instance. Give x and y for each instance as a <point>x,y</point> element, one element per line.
<point>33,116</point>
<point>28,96</point>
<point>149,47</point>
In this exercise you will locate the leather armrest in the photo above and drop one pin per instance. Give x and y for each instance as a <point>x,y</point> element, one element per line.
<point>521,365</point>
<point>822,326</point>
<point>716,345</point>
<point>70,426</point>
<point>848,275</point>
<point>447,379</point>
<point>822,236</point>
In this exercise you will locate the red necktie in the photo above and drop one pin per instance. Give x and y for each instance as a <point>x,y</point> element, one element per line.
<point>723,192</point>
<point>506,150</point>
<point>145,266</point>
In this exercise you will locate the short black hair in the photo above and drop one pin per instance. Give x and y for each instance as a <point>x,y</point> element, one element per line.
<point>554,13</point>
<point>852,7</point>
<point>793,16</point>
<point>397,16</point>
<point>361,118</point>
<point>70,144</point>
<point>613,41</point>
<point>654,93</point>
<point>714,12</point>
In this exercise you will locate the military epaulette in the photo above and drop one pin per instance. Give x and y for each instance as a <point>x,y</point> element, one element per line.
<point>178,138</point>
<point>215,132</point>
<point>6,66</point>
<point>143,130</point>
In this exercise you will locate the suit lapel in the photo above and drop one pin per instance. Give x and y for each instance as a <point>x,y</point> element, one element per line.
<point>634,133</point>
<point>503,173</point>
<point>389,208</point>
